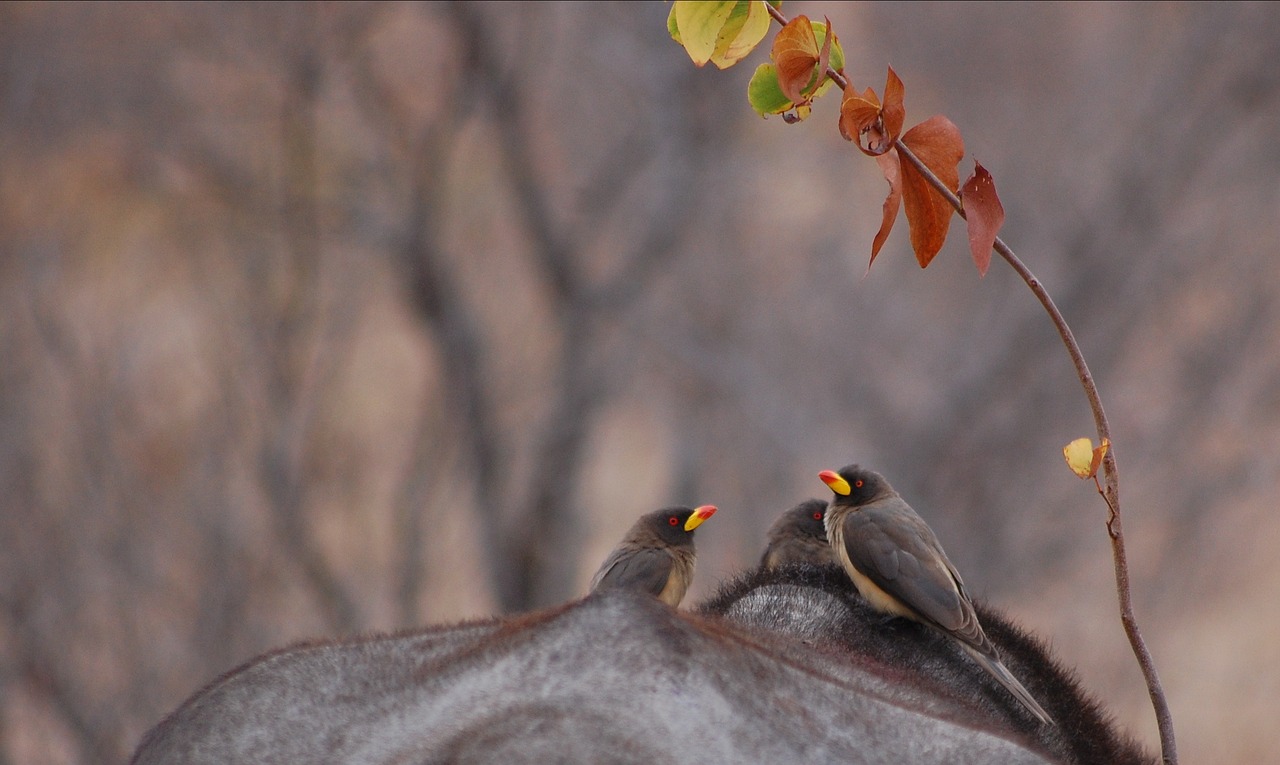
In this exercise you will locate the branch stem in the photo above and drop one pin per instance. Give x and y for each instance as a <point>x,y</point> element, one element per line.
<point>1111,494</point>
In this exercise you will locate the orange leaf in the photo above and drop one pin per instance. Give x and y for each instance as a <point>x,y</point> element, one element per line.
<point>890,165</point>
<point>824,57</point>
<point>1099,452</point>
<point>795,53</point>
<point>937,143</point>
<point>984,215</point>
<point>858,113</point>
<point>863,116</point>
<point>894,112</point>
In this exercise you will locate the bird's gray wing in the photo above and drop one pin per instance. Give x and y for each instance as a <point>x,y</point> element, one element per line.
<point>895,549</point>
<point>898,552</point>
<point>643,569</point>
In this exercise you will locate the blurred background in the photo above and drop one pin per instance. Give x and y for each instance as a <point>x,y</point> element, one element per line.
<point>329,319</point>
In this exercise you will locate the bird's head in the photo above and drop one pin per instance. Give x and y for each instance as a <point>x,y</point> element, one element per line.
<point>854,485</point>
<point>807,518</point>
<point>675,525</point>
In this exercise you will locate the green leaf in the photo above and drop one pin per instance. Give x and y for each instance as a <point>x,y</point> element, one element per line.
<point>698,25</point>
<point>765,94</point>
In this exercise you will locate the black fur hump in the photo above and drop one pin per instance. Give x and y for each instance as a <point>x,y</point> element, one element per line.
<point>820,606</point>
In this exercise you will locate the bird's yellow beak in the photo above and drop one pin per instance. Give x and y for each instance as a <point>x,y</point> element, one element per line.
<point>699,515</point>
<point>837,484</point>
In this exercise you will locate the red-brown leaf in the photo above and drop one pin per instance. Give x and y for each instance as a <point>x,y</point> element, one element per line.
<point>984,215</point>
<point>795,53</point>
<point>858,112</point>
<point>865,120</point>
<point>937,143</point>
<point>894,112</point>
<point>890,165</point>
<point>824,56</point>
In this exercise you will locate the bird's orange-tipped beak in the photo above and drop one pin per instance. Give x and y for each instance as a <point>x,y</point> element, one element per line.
<point>699,515</point>
<point>837,484</point>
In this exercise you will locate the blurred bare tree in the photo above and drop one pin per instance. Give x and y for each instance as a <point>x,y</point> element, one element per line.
<point>318,319</point>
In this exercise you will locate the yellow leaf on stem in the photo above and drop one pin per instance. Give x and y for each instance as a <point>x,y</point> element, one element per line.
<point>1083,457</point>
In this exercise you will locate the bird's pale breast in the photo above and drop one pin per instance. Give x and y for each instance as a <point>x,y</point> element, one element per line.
<point>878,598</point>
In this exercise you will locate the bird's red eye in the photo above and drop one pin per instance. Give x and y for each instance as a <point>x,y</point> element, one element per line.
<point>674,521</point>
<point>817,516</point>
<point>858,483</point>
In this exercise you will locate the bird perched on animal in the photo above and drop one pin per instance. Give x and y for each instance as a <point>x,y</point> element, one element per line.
<point>656,556</point>
<point>897,564</point>
<point>799,536</point>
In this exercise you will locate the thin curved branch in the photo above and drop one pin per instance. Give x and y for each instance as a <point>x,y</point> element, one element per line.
<point>1111,495</point>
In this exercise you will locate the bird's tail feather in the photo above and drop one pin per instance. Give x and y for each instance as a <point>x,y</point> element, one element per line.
<point>1000,672</point>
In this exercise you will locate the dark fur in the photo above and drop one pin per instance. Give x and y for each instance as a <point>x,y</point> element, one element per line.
<point>1085,732</point>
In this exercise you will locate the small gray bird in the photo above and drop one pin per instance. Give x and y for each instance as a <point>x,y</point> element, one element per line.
<point>799,536</point>
<point>895,561</point>
<point>656,556</point>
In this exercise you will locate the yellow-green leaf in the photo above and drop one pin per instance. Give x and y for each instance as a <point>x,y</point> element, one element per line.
<point>673,28</point>
<point>1083,457</point>
<point>1079,456</point>
<point>742,32</point>
<point>698,24</point>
